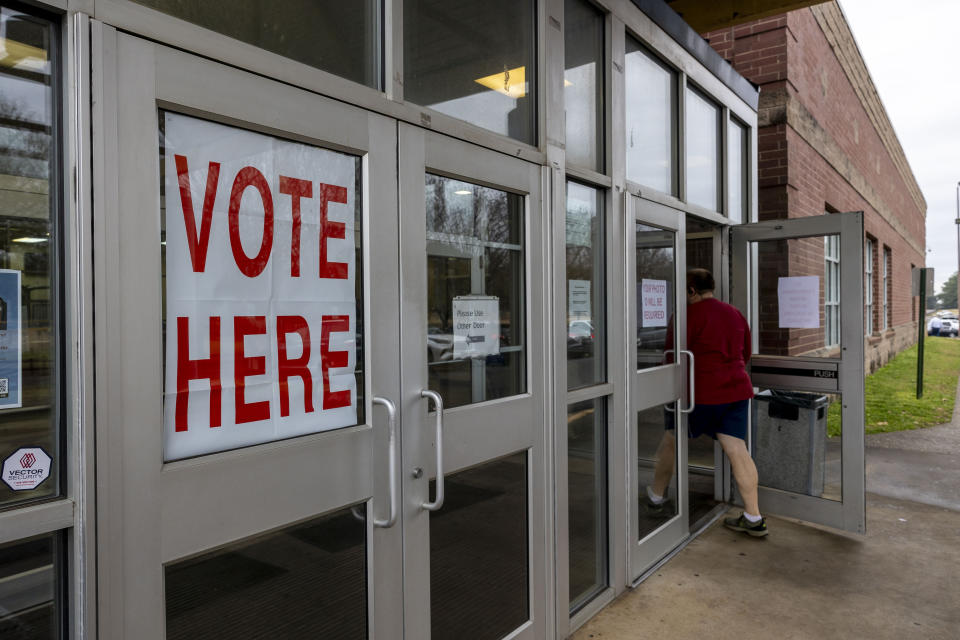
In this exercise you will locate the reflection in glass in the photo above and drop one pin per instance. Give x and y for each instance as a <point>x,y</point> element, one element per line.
<point>650,110</point>
<point>831,290</point>
<point>657,467</point>
<point>474,61</point>
<point>28,247</point>
<point>737,186</point>
<point>586,335</point>
<point>796,442</point>
<point>474,260</point>
<point>702,137</point>
<point>342,38</point>
<point>29,601</point>
<point>655,293</point>
<point>798,336</point>
<point>583,84</point>
<point>479,573</point>
<point>587,500</point>
<point>305,581</point>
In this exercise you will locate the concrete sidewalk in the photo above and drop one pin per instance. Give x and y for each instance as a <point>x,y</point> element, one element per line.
<point>902,580</point>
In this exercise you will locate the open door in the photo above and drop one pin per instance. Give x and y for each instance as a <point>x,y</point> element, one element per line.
<point>800,284</point>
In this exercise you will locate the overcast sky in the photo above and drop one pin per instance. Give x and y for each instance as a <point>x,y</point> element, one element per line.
<point>912,50</point>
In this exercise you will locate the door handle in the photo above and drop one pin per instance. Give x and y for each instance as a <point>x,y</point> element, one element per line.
<point>434,397</point>
<point>392,455</point>
<point>693,403</point>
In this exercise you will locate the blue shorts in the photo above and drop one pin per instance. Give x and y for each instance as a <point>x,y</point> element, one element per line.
<point>710,419</point>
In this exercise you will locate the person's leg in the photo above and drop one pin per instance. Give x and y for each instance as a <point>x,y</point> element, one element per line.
<point>666,460</point>
<point>744,471</point>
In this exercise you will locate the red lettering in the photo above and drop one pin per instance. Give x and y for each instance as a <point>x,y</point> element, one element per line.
<point>197,246</point>
<point>288,368</point>
<point>331,229</point>
<point>243,367</point>
<point>188,370</point>
<point>250,177</point>
<point>333,359</point>
<point>296,189</point>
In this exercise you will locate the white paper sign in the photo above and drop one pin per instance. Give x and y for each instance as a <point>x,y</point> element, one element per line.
<point>798,299</point>
<point>26,468</point>
<point>260,283</point>
<point>578,300</point>
<point>653,306</point>
<point>476,326</point>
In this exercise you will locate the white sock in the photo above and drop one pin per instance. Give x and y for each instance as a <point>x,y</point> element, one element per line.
<point>751,518</point>
<point>654,498</point>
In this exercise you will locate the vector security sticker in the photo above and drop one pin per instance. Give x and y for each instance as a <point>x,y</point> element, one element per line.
<point>26,469</point>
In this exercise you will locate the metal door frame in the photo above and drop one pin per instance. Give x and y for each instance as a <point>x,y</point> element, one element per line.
<point>850,513</point>
<point>655,386</point>
<point>148,512</point>
<point>475,433</point>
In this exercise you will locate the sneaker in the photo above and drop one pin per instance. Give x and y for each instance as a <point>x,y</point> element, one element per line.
<point>662,509</point>
<point>755,529</point>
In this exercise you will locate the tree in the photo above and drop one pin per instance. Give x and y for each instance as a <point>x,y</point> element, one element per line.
<point>947,299</point>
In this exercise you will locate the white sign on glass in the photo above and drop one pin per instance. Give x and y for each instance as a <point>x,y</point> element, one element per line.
<point>653,306</point>
<point>578,300</point>
<point>476,326</point>
<point>260,288</point>
<point>798,300</point>
<point>26,468</point>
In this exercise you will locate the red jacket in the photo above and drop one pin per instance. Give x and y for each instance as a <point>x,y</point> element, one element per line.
<point>719,337</point>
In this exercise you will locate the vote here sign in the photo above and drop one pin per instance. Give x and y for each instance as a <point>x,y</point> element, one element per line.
<point>260,288</point>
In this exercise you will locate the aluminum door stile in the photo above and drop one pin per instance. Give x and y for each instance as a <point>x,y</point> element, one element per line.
<point>850,513</point>
<point>152,513</point>
<point>474,433</point>
<point>652,387</point>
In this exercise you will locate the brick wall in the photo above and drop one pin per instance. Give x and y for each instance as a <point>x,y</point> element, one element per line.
<point>825,144</point>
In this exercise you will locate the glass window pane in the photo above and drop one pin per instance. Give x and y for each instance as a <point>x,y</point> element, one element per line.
<point>475,296</point>
<point>702,135</point>
<point>479,560</point>
<point>796,442</point>
<point>304,581</point>
<point>342,38</point>
<point>586,326</point>
<point>29,421</point>
<point>737,171</point>
<point>656,256</point>
<point>583,84</point>
<point>262,320</point>
<point>657,467</point>
<point>651,116</point>
<point>475,61</point>
<point>29,589</point>
<point>795,274</point>
<point>587,500</point>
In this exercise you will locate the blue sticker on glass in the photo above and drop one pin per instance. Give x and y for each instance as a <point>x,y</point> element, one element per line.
<point>11,321</point>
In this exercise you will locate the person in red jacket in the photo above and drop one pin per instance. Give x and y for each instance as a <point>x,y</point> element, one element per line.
<point>719,337</point>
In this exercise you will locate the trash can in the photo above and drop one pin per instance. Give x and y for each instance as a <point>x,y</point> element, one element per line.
<point>789,432</point>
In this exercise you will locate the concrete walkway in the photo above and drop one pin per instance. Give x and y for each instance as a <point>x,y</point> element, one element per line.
<point>901,580</point>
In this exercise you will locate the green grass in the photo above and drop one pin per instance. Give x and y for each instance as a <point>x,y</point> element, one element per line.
<point>890,398</point>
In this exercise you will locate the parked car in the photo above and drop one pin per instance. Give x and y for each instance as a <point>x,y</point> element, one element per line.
<point>949,326</point>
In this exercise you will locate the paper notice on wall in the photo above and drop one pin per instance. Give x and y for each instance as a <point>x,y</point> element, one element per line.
<point>11,322</point>
<point>578,300</point>
<point>798,299</point>
<point>261,332</point>
<point>653,303</point>
<point>476,326</point>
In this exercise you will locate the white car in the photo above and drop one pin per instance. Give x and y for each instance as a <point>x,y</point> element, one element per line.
<point>948,326</point>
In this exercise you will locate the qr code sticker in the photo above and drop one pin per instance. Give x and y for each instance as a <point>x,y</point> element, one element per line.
<point>4,387</point>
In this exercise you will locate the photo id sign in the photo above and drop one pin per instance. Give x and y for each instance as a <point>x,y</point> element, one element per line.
<point>653,307</point>
<point>476,326</point>
<point>798,299</point>
<point>260,288</point>
<point>11,343</point>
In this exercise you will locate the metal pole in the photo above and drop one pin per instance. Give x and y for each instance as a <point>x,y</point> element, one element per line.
<point>923,331</point>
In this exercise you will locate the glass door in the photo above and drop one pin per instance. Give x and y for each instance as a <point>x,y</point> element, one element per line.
<point>473,436</point>
<point>247,353</point>
<point>800,283</point>
<point>656,282</point>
